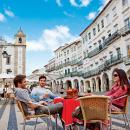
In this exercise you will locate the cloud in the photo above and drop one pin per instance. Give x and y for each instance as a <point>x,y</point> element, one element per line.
<point>73,3</point>
<point>9,39</point>
<point>9,13</point>
<point>91,16</point>
<point>2,17</point>
<point>82,3</point>
<point>67,14</point>
<point>58,2</point>
<point>103,3</point>
<point>51,39</point>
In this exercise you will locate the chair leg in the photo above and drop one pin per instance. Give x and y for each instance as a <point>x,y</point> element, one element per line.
<point>84,126</point>
<point>35,123</point>
<point>127,120</point>
<point>56,121</point>
<point>50,123</point>
<point>24,125</point>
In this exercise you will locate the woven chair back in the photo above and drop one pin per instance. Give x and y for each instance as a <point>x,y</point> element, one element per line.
<point>94,107</point>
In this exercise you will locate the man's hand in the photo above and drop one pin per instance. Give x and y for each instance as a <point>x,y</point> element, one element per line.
<point>43,103</point>
<point>45,95</point>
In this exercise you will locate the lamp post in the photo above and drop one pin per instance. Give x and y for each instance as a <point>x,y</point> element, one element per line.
<point>5,54</point>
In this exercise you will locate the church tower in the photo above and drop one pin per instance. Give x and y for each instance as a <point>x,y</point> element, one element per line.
<point>20,53</point>
<point>20,38</point>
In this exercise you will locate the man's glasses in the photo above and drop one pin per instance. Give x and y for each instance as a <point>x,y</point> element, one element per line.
<point>115,75</point>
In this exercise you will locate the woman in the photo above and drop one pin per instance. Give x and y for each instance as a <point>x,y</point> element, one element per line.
<point>121,87</point>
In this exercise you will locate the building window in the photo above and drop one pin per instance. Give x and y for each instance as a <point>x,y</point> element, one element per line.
<point>124,2</point>
<point>109,33</point>
<point>116,27</point>
<point>86,38</point>
<point>8,60</point>
<point>103,39</point>
<point>68,71</point>
<point>67,51</point>
<point>94,31</point>
<point>107,19</point>
<point>102,23</point>
<point>114,11</point>
<point>64,53</point>
<point>65,72</point>
<point>127,21</point>
<point>98,27</point>
<point>118,52</point>
<point>89,35</point>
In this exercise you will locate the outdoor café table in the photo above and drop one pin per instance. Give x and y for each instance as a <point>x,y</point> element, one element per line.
<point>69,106</point>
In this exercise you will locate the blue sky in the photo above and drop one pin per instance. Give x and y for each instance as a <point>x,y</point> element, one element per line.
<point>46,23</point>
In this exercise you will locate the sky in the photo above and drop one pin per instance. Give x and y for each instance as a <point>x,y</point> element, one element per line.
<point>47,24</point>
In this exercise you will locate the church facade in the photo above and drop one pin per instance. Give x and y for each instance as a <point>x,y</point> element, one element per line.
<point>13,55</point>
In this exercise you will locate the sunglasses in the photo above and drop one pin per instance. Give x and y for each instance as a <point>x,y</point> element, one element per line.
<point>115,75</point>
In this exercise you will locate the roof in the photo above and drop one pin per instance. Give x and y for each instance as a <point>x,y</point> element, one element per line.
<point>96,17</point>
<point>75,42</point>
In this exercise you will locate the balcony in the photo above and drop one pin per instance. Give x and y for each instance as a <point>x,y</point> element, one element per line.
<point>74,62</point>
<point>50,69</point>
<point>76,73</point>
<point>125,30</point>
<point>104,67</point>
<point>80,62</point>
<point>127,60</point>
<point>107,42</point>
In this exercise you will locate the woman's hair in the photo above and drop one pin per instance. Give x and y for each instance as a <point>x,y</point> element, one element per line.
<point>123,78</point>
<point>18,79</point>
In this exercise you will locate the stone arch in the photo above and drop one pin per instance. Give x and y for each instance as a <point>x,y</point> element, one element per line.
<point>81,86</point>
<point>76,84</point>
<point>54,85</point>
<point>98,83</point>
<point>93,84</point>
<point>68,84</point>
<point>87,85</point>
<point>61,83</point>
<point>105,82</point>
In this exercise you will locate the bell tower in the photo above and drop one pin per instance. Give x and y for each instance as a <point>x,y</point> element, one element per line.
<point>20,38</point>
<point>20,53</point>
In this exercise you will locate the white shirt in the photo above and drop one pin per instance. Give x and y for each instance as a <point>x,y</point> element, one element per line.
<point>40,91</point>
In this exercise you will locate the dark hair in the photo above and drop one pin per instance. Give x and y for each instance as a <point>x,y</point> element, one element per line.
<point>18,79</point>
<point>123,78</point>
<point>42,77</point>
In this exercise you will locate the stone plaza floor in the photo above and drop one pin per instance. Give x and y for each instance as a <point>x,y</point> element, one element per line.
<point>12,119</point>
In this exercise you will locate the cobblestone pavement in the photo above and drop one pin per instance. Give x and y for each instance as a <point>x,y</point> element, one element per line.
<point>11,119</point>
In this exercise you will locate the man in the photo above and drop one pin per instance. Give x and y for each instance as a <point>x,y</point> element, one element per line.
<point>41,92</point>
<point>40,107</point>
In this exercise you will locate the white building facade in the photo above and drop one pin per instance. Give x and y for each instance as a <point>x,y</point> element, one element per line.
<point>104,46</point>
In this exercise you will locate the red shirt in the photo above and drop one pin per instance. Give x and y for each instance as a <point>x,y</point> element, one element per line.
<point>116,92</point>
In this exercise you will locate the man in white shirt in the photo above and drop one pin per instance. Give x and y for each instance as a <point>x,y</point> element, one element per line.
<point>41,92</point>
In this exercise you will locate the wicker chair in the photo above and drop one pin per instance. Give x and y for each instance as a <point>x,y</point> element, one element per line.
<point>123,112</point>
<point>28,117</point>
<point>95,109</point>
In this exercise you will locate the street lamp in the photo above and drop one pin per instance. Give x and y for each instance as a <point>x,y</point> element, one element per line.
<point>5,54</point>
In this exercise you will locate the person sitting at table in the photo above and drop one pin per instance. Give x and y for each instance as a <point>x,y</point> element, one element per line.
<point>41,107</point>
<point>41,93</point>
<point>120,88</point>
